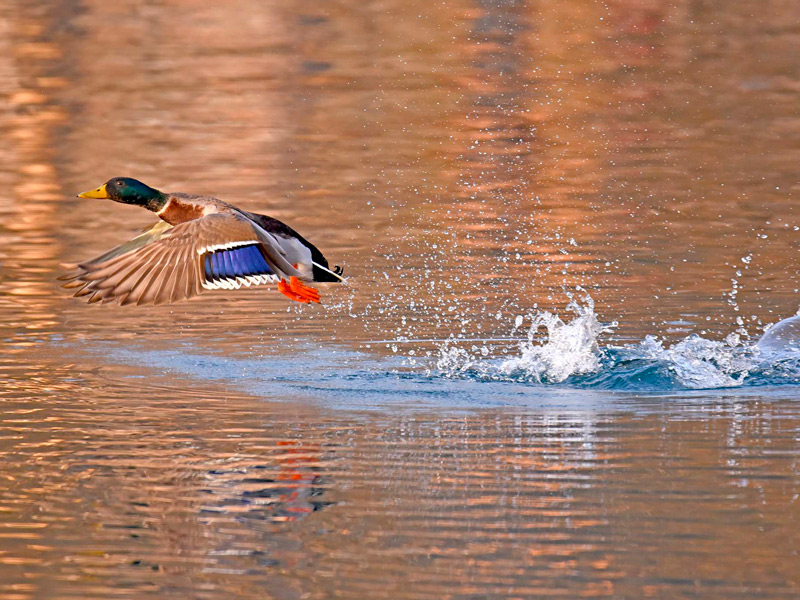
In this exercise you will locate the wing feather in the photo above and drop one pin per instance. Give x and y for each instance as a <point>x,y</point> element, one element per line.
<point>116,271</point>
<point>145,291</point>
<point>177,288</point>
<point>162,281</point>
<point>164,264</point>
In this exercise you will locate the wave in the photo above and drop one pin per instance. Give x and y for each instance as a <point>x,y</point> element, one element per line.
<point>569,353</point>
<point>560,362</point>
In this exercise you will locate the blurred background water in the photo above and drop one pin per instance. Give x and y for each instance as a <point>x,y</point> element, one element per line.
<point>565,224</point>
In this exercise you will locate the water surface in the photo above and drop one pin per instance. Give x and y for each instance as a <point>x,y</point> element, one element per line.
<point>566,226</point>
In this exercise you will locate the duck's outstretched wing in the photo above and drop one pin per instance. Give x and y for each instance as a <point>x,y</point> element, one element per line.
<point>167,264</point>
<point>147,236</point>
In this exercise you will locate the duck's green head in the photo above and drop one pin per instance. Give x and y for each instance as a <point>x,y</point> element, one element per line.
<point>129,191</point>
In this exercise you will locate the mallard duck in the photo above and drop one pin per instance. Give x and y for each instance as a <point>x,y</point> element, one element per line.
<point>201,243</point>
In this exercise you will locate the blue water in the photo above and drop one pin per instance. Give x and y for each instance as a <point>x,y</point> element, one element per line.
<point>565,366</point>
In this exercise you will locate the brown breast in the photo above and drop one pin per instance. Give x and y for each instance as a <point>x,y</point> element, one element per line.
<point>179,211</point>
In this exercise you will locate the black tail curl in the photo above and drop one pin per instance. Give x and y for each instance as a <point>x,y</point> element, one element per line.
<point>323,275</point>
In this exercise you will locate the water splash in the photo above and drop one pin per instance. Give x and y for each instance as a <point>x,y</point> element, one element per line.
<point>563,350</point>
<point>569,353</point>
<point>570,348</point>
<point>560,362</point>
<point>782,337</point>
<point>698,363</point>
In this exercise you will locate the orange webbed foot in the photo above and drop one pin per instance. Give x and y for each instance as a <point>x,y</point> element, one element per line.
<point>298,291</point>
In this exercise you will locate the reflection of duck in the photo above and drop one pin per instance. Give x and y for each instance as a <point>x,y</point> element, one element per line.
<point>288,488</point>
<point>201,243</point>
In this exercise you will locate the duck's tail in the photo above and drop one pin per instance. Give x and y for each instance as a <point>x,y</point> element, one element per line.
<point>323,273</point>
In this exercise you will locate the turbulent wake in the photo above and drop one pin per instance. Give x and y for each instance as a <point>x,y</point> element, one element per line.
<point>569,353</point>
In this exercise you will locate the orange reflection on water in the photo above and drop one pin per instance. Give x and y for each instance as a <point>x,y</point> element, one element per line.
<point>467,162</point>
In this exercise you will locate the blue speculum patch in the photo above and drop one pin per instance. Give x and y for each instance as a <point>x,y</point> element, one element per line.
<point>235,262</point>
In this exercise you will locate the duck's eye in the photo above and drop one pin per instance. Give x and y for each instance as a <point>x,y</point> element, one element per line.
<point>120,183</point>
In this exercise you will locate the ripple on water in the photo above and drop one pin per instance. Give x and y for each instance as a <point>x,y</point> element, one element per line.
<point>559,360</point>
<point>198,484</point>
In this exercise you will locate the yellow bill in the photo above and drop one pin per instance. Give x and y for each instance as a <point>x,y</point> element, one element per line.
<point>98,193</point>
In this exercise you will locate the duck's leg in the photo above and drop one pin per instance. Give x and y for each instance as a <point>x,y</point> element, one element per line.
<point>297,291</point>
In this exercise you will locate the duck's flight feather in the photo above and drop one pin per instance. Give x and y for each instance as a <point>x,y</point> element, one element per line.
<point>167,263</point>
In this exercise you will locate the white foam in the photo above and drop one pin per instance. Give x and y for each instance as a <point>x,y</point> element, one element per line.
<point>699,363</point>
<point>569,348</point>
<point>562,350</point>
<point>557,349</point>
